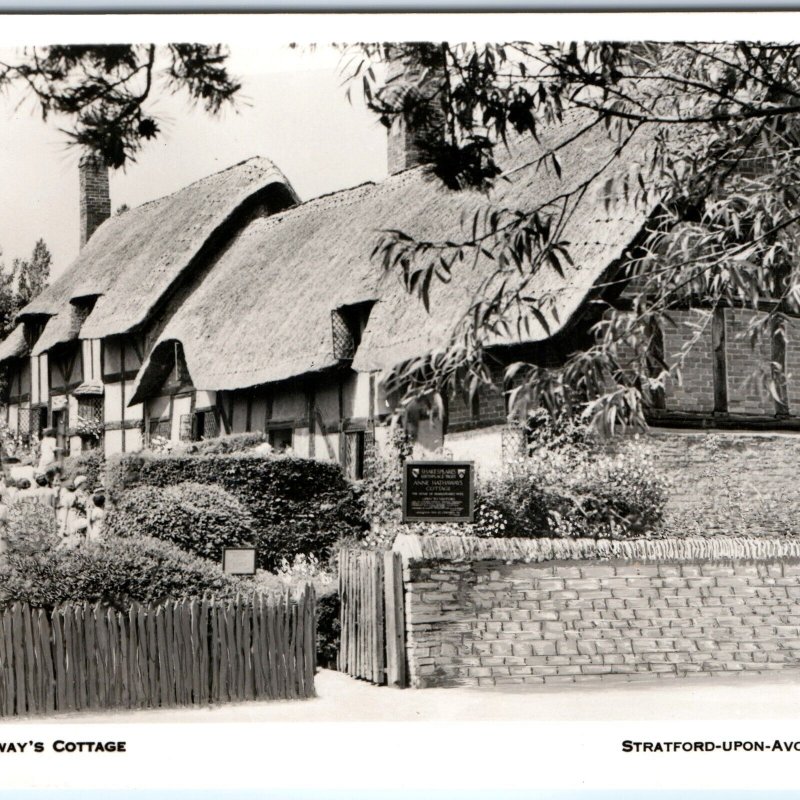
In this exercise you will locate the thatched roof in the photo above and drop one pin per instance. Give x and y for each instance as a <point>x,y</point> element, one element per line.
<point>263,311</point>
<point>135,258</point>
<point>14,345</point>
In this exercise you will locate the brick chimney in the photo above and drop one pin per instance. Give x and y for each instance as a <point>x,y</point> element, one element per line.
<point>95,196</point>
<point>410,140</point>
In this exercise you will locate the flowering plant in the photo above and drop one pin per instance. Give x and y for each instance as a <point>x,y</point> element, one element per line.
<point>89,428</point>
<point>574,490</point>
<point>160,444</point>
<point>14,444</point>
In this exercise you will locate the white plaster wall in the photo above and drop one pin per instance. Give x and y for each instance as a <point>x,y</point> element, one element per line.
<point>113,442</point>
<point>484,446</point>
<point>326,397</point>
<point>357,399</point>
<point>289,405</point>
<point>158,407</point>
<point>111,357</point>
<point>34,369</point>
<point>300,439</point>
<point>326,448</point>
<point>181,406</point>
<point>429,437</point>
<point>96,366</point>
<point>205,399</point>
<point>112,402</point>
<point>239,421</point>
<point>133,440</point>
<point>258,413</point>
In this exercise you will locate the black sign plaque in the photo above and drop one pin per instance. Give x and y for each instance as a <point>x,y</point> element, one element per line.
<point>439,491</point>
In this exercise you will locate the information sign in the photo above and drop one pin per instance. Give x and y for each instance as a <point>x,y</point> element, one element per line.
<point>239,560</point>
<point>439,491</point>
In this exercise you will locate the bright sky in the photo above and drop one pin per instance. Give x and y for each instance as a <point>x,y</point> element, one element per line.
<point>293,110</point>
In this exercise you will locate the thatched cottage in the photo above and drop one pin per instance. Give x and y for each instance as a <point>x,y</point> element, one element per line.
<point>231,306</point>
<point>78,347</point>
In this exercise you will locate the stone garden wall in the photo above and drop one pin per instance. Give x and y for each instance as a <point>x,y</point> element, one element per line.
<point>472,619</point>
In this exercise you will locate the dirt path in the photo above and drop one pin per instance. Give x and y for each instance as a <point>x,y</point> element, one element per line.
<point>342,699</point>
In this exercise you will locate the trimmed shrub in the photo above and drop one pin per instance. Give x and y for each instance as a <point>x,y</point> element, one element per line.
<point>573,491</point>
<point>298,506</point>
<point>200,518</point>
<point>114,570</point>
<point>31,527</point>
<point>90,463</point>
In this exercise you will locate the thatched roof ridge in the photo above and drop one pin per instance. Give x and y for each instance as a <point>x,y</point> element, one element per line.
<point>463,549</point>
<point>262,313</point>
<point>14,345</point>
<point>135,257</point>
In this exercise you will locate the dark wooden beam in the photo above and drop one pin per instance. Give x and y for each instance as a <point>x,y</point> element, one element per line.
<point>720,367</point>
<point>778,357</point>
<point>311,403</point>
<point>699,420</point>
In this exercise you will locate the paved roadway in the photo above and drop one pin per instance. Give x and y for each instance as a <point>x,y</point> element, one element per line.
<point>342,699</point>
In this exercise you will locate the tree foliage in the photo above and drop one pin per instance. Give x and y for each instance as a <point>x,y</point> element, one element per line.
<point>106,93</point>
<point>33,275</point>
<point>718,181</point>
<point>20,283</point>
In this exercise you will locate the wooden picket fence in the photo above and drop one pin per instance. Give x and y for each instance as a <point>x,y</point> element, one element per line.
<point>176,653</point>
<point>372,645</point>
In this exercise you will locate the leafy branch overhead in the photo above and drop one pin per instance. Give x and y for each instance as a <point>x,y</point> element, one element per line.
<point>701,140</point>
<point>106,93</point>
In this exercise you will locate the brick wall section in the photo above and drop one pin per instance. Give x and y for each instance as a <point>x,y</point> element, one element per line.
<point>95,200</point>
<point>727,482</point>
<point>488,622</point>
<point>491,405</point>
<point>696,390</point>
<point>792,328</point>
<point>743,362</point>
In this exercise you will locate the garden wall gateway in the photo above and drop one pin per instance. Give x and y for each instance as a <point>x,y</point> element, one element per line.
<point>516,611</point>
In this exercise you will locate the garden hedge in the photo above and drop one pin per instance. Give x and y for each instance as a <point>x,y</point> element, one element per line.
<point>200,518</point>
<point>90,463</point>
<point>113,570</point>
<point>297,505</point>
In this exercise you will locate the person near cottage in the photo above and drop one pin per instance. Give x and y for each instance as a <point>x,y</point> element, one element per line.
<point>3,527</point>
<point>8,488</point>
<point>43,492</point>
<point>66,500</point>
<point>77,518</point>
<point>96,517</point>
<point>47,450</point>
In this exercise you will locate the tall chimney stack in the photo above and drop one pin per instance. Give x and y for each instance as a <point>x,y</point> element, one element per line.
<point>95,196</point>
<point>417,90</point>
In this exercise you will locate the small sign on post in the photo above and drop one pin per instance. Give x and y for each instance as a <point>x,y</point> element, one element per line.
<point>439,491</point>
<point>239,560</point>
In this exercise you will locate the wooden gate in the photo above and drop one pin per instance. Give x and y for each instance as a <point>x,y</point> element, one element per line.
<point>372,645</point>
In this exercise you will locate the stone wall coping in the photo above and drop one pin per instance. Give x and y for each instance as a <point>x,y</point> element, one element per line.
<point>414,548</point>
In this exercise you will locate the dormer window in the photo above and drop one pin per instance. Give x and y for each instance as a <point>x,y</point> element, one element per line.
<point>348,324</point>
<point>82,306</point>
<point>33,325</point>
